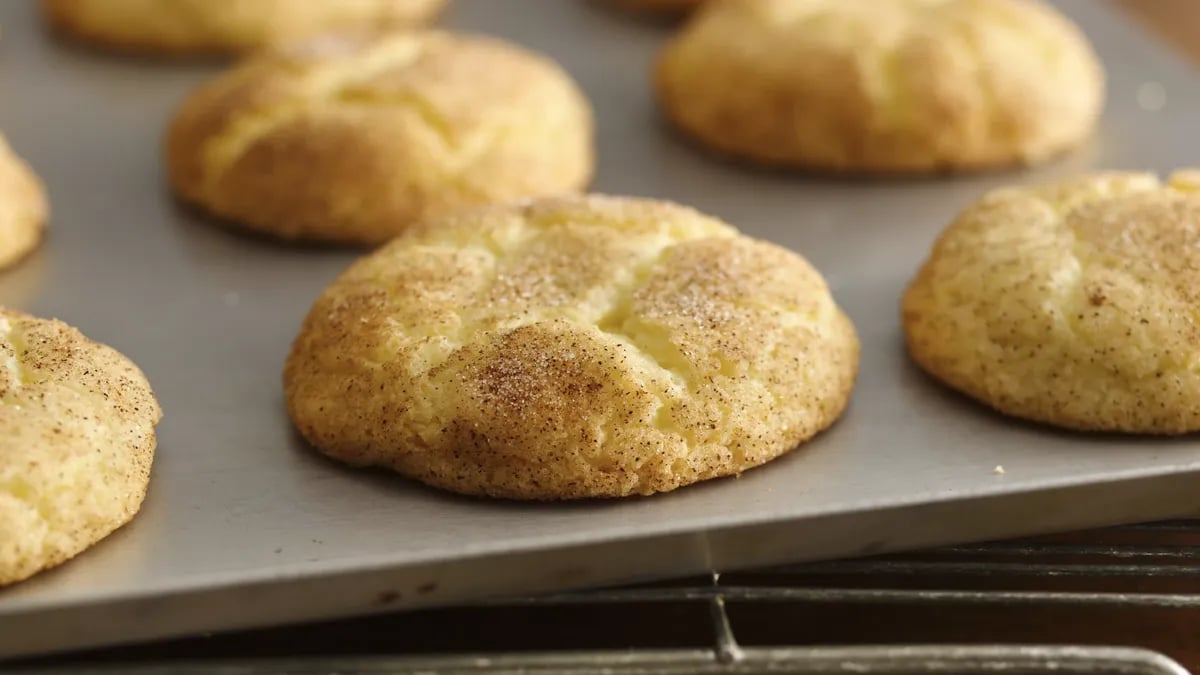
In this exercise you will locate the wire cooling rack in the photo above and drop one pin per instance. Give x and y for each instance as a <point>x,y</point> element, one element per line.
<point>1122,600</point>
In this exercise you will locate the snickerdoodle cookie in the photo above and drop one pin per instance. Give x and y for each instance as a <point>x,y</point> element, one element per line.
<point>570,348</point>
<point>223,26</point>
<point>352,139</point>
<point>23,207</point>
<point>76,442</point>
<point>1073,304</point>
<point>882,86</point>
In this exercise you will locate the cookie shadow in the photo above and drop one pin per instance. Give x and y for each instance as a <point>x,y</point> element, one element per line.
<point>204,228</point>
<point>617,13</point>
<point>385,480</point>
<point>21,281</point>
<point>81,50</point>
<point>918,382</point>
<point>692,149</point>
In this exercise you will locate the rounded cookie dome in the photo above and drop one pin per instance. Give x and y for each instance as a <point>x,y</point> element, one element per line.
<point>882,86</point>
<point>23,207</point>
<point>353,138</point>
<point>571,348</point>
<point>76,443</point>
<point>1073,304</point>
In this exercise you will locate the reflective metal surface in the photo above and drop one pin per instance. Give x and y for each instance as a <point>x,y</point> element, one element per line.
<point>948,660</point>
<point>987,607</point>
<point>244,526</point>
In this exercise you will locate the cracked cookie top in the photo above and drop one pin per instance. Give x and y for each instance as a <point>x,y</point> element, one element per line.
<point>1075,304</point>
<point>76,442</point>
<point>570,348</point>
<point>882,86</point>
<point>352,138</point>
<point>223,26</point>
<point>23,207</point>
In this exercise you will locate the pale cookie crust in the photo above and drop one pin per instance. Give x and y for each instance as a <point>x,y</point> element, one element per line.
<point>352,139</point>
<point>1073,304</point>
<point>223,26</point>
<point>23,207</point>
<point>76,442</point>
<point>571,348</point>
<point>882,86</point>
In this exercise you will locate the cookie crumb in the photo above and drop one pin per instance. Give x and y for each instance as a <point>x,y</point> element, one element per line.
<point>999,470</point>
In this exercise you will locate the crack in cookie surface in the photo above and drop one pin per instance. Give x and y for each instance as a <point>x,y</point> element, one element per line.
<point>571,348</point>
<point>1074,303</point>
<point>325,78</point>
<point>355,138</point>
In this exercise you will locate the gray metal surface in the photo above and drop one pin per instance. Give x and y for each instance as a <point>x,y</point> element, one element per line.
<point>244,526</point>
<point>1132,586</point>
<point>924,660</point>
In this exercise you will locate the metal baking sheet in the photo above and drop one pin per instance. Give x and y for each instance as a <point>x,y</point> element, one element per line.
<point>244,526</point>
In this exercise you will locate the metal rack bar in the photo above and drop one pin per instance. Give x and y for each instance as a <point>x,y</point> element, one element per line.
<point>1179,525</point>
<point>858,595</point>
<point>911,567</point>
<point>931,660</point>
<point>1079,557</point>
<point>1111,551</point>
<point>726,648</point>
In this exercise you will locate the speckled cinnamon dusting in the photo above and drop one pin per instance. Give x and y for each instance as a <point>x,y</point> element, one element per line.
<point>567,348</point>
<point>76,442</point>
<point>1074,304</point>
